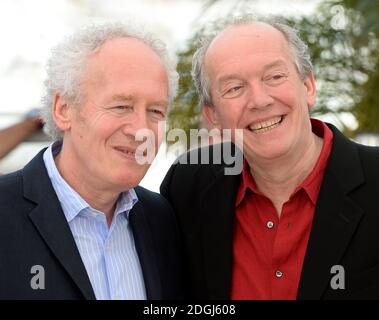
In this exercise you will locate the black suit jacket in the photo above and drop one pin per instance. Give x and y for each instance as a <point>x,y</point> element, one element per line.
<point>34,231</point>
<point>345,230</point>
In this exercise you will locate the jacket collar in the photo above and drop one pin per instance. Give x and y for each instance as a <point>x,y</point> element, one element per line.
<point>217,205</point>
<point>144,241</point>
<point>49,220</point>
<point>336,218</point>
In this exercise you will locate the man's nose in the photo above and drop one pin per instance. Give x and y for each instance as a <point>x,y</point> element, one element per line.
<point>136,121</point>
<point>258,96</point>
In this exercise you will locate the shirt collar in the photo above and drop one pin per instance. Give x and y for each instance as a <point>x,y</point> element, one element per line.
<point>312,183</point>
<point>72,203</point>
<point>125,202</point>
<point>247,183</point>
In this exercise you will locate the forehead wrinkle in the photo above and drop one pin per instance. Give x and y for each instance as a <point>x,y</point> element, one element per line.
<point>275,63</point>
<point>162,103</point>
<point>227,77</point>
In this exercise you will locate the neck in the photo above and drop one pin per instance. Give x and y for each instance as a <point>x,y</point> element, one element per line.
<point>102,199</point>
<point>278,178</point>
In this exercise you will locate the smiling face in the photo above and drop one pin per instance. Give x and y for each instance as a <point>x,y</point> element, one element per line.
<point>255,86</point>
<point>124,90</point>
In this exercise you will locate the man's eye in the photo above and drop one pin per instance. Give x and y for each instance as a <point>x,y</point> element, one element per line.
<point>232,92</point>
<point>276,78</point>
<point>158,113</point>
<point>234,89</point>
<point>122,108</point>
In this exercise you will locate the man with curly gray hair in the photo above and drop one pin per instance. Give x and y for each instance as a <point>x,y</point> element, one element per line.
<point>74,222</point>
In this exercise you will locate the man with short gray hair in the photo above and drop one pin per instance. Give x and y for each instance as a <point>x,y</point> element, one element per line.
<point>301,219</point>
<point>74,224</point>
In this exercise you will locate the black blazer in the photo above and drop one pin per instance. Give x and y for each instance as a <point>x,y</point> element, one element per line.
<point>34,231</point>
<point>345,229</point>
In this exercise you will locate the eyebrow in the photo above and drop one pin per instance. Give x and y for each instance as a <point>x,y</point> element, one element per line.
<point>162,103</point>
<point>276,63</point>
<point>122,97</point>
<point>228,77</point>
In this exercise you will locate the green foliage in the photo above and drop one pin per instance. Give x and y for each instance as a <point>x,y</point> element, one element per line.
<point>366,110</point>
<point>185,112</point>
<point>343,41</point>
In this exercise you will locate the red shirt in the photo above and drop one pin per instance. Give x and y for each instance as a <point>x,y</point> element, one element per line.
<point>268,252</point>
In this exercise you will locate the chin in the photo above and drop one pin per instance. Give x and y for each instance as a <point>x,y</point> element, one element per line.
<point>127,180</point>
<point>267,153</point>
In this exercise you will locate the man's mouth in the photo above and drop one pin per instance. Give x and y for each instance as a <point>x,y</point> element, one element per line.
<point>129,153</point>
<point>266,125</point>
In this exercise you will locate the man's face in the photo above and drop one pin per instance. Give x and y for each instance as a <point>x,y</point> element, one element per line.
<point>124,90</point>
<point>255,86</point>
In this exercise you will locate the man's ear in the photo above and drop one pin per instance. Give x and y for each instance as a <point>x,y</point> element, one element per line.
<point>310,87</point>
<point>209,114</point>
<point>61,113</point>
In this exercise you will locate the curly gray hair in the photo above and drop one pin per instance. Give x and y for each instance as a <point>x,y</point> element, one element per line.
<point>298,47</point>
<point>68,60</point>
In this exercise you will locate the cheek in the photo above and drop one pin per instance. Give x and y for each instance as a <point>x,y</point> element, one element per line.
<point>229,116</point>
<point>299,97</point>
<point>103,127</point>
<point>287,96</point>
<point>102,121</point>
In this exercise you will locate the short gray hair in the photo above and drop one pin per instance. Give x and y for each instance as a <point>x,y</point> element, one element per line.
<point>298,47</point>
<point>68,61</point>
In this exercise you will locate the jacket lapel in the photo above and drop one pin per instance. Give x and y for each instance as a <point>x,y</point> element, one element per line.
<point>145,249</point>
<point>217,230</point>
<point>336,218</point>
<point>50,222</point>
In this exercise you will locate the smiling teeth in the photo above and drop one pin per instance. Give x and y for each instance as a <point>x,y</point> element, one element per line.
<point>126,151</point>
<point>266,125</point>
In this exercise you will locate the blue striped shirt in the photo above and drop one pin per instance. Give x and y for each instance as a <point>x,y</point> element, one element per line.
<point>108,253</point>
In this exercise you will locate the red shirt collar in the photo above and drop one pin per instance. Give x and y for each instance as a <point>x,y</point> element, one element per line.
<point>312,183</point>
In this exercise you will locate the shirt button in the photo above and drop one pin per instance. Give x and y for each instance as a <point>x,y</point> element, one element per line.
<point>278,274</point>
<point>270,224</point>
